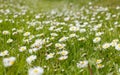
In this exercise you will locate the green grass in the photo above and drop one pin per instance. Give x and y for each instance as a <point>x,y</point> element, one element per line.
<point>77,11</point>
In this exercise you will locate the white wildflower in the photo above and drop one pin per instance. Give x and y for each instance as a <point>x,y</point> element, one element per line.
<point>9,61</point>
<point>106,45</point>
<point>117,47</point>
<point>82,64</point>
<point>35,71</point>
<point>4,53</point>
<point>26,34</point>
<point>63,57</point>
<point>5,32</point>
<point>51,55</point>
<point>97,39</point>
<point>31,58</point>
<point>9,40</point>
<point>23,48</point>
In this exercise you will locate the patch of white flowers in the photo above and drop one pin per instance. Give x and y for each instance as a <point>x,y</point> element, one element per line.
<point>60,36</point>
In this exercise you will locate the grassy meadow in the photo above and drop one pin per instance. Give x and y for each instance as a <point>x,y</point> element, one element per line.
<point>59,37</point>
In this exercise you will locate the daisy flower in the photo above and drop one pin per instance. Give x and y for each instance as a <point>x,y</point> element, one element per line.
<point>9,40</point>
<point>96,40</point>
<point>60,46</point>
<point>5,32</point>
<point>26,34</point>
<point>117,47</point>
<point>82,64</point>
<point>51,55</point>
<point>35,71</point>
<point>64,52</point>
<point>100,66</point>
<point>31,58</point>
<point>63,57</point>
<point>4,53</point>
<point>106,45</point>
<point>23,48</point>
<point>98,61</point>
<point>73,28</point>
<point>8,61</point>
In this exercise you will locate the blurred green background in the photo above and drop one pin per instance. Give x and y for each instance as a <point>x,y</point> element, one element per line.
<point>45,5</point>
<point>59,3</point>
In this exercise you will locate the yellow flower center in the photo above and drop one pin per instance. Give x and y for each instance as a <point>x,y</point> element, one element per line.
<point>35,70</point>
<point>12,62</point>
<point>63,53</point>
<point>83,62</point>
